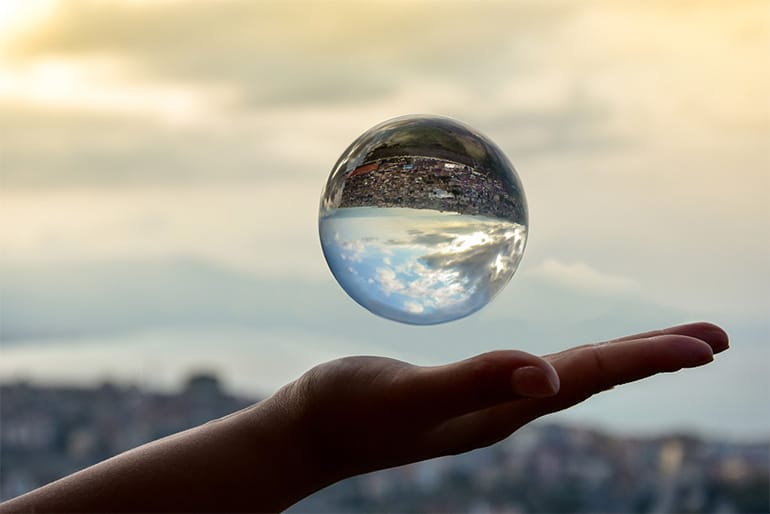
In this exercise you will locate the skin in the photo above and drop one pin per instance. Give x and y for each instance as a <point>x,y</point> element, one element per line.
<point>359,414</point>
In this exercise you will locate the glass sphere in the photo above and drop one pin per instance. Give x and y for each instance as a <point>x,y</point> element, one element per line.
<point>423,220</point>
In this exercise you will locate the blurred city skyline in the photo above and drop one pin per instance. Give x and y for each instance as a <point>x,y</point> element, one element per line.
<point>161,165</point>
<point>52,431</point>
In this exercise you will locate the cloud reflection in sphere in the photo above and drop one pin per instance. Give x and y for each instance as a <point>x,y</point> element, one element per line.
<point>423,220</point>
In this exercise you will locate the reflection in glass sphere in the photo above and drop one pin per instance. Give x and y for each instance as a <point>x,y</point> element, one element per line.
<point>423,220</point>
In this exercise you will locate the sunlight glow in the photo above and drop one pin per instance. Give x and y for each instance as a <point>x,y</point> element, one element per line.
<point>17,16</point>
<point>106,84</point>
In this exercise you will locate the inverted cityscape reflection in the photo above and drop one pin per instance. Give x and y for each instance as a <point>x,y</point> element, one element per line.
<point>423,220</point>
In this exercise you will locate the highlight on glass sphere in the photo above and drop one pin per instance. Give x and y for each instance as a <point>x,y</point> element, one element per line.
<point>423,220</point>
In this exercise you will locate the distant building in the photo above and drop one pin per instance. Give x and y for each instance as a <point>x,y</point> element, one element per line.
<point>203,384</point>
<point>366,168</point>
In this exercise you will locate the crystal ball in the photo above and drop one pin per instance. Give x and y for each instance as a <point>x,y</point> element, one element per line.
<point>423,220</point>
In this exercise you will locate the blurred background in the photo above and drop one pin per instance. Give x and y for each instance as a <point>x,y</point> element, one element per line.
<point>161,165</point>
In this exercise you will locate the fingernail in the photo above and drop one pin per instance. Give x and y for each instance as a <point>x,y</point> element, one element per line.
<point>698,355</point>
<point>534,382</point>
<point>718,340</point>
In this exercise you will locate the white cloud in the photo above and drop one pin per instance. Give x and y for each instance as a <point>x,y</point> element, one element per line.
<point>108,84</point>
<point>388,281</point>
<point>581,276</point>
<point>413,307</point>
<point>353,250</point>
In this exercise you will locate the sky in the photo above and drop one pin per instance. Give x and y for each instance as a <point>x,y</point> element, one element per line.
<point>420,266</point>
<point>161,165</point>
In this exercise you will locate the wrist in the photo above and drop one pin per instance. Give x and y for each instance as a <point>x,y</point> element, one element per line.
<point>276,432</point>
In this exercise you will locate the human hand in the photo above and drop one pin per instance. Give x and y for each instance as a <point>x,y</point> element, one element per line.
<point>359,414</point>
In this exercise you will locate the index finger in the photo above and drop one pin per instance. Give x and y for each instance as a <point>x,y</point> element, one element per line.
<point>590,369</point>
<point>713,335</point>
<point>583,371</point>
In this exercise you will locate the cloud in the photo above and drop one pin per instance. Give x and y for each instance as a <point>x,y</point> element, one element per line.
<point>113,93</point>
<point>438,290</point>
<point>581,276</point>
<point>351,51</point>
<point>107,84</point>
<point>388,281</point>
<point>628,160</point>
<point>484,254</point>
<point>448,265</point>
<point>270,89</point>
<point>137,136</point>
<point>414,307</point>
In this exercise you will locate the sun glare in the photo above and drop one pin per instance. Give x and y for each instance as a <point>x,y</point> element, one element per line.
<point>17,16</point>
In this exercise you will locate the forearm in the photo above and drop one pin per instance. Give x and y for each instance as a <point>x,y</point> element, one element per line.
<point>253,460</point>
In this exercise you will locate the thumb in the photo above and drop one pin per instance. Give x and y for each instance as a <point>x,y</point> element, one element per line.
<point>480,382</point>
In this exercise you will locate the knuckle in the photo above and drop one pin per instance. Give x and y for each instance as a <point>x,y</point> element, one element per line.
<point>602,374</point>
<point>486,380</point>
